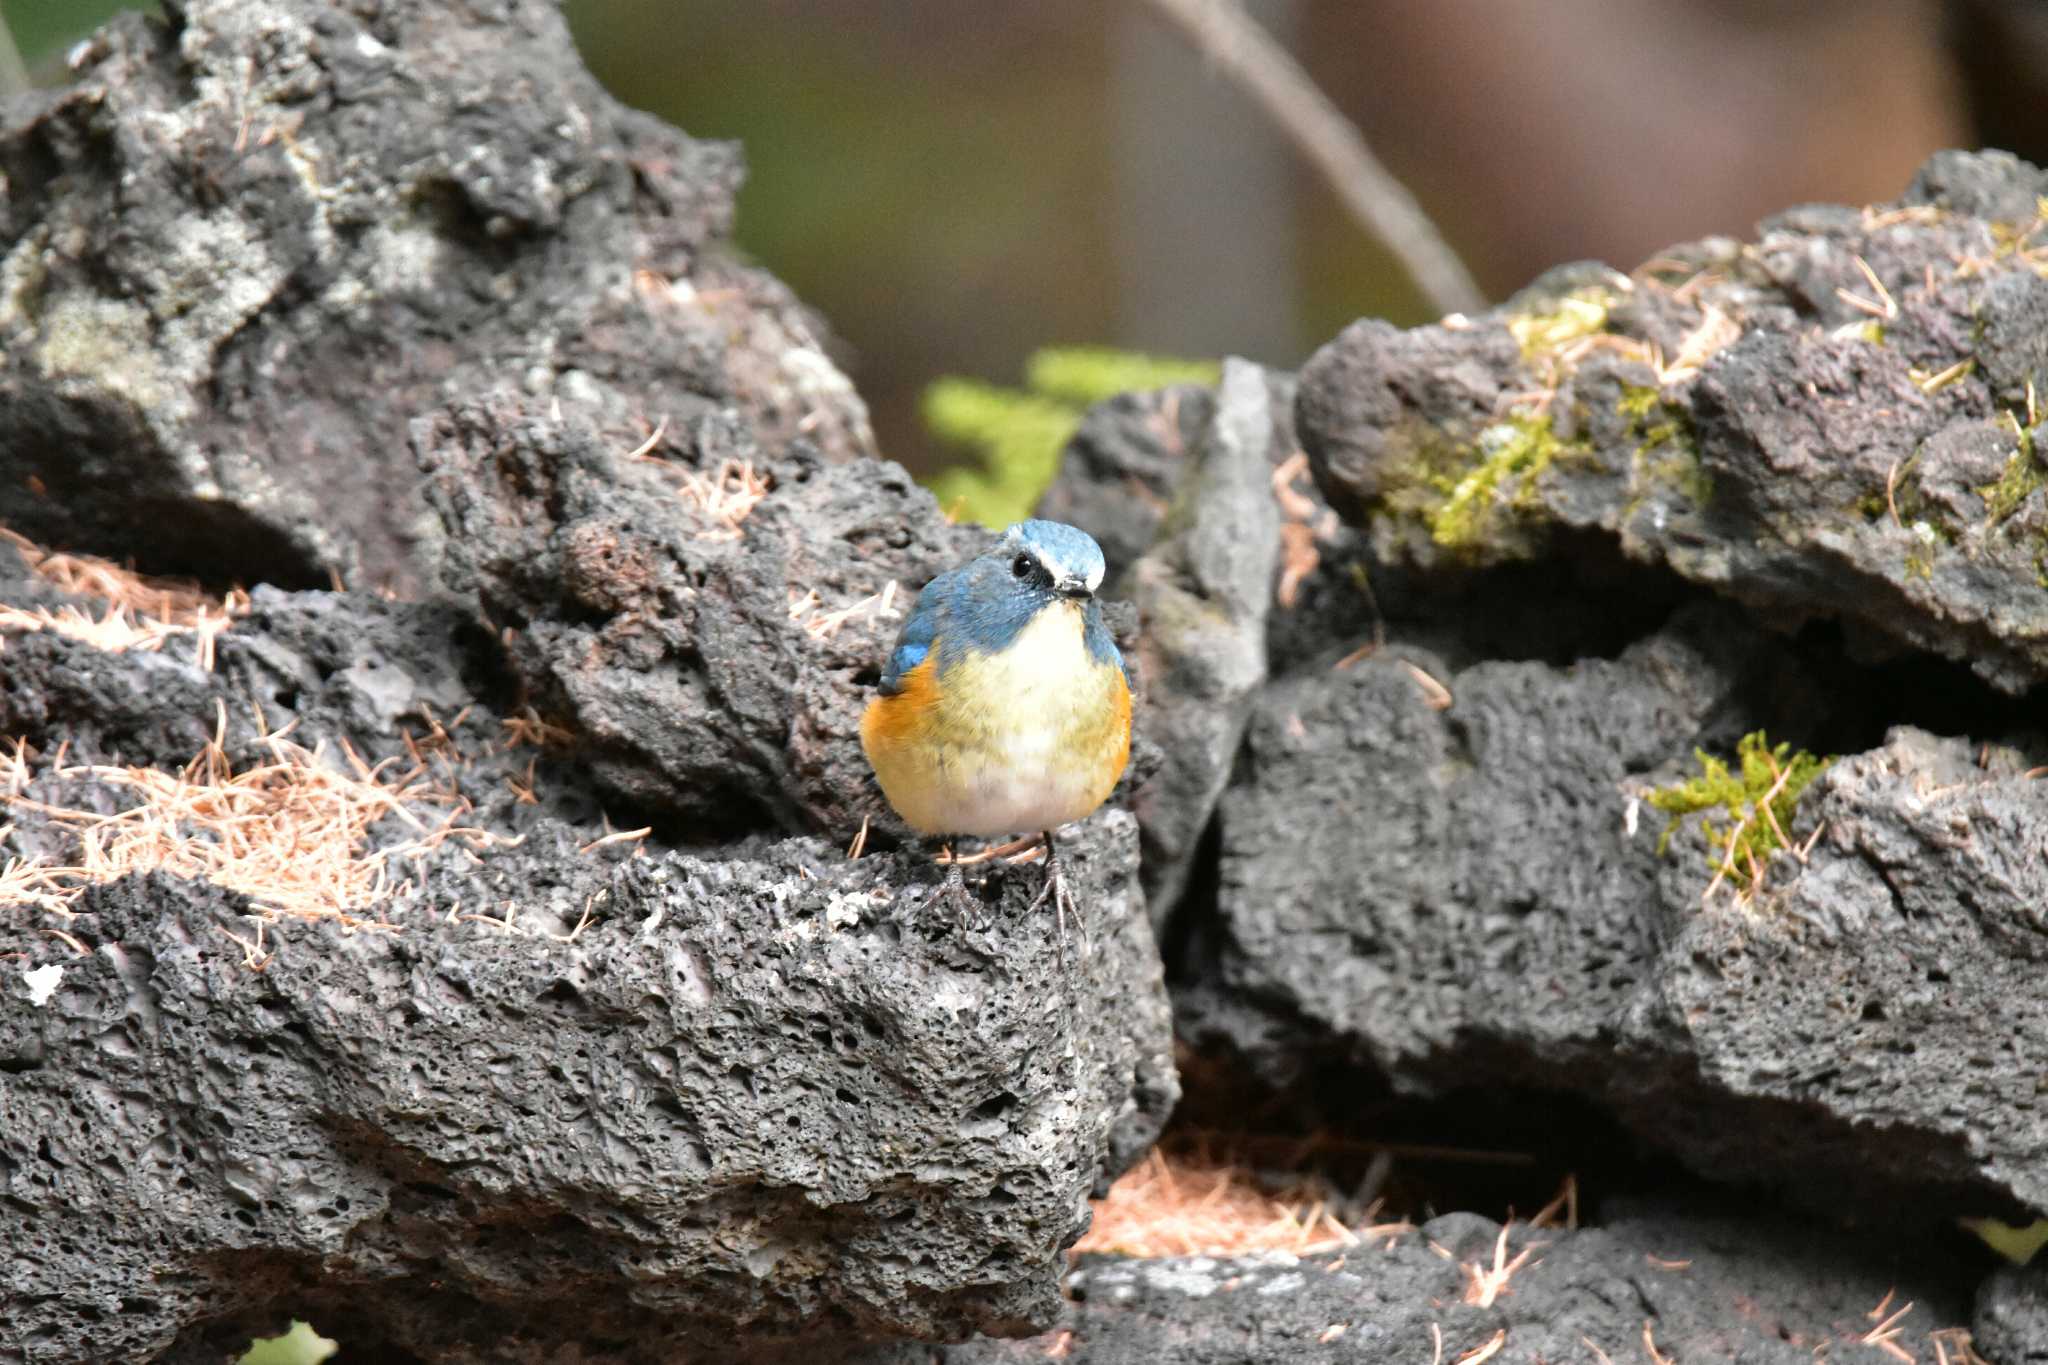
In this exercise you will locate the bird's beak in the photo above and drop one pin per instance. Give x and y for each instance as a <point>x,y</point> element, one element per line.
<point>1071,587</point>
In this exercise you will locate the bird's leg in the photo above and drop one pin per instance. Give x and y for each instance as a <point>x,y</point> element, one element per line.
<point>954,889</point>
<point>1055,886</point>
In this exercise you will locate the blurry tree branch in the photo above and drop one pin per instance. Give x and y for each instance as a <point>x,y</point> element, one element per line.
<point>1231,40</point>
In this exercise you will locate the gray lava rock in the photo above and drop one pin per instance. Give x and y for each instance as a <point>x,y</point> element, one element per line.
<point>1203,592</point>
<point>582,1100</point>
<point>1691,1286</point>
<point>254,240</point>
<point>1832,422</point>
<point>1854,987</point>
<point>1120,468</point>
<point>1464,871</point>
<point>1473,905</point>
<point>2011,1326</point>
<point>695,656</point>
<point>369,669</point>
<point>758,1090</point>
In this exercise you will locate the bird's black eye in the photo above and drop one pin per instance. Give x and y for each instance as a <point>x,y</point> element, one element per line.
<point>1021,566</point>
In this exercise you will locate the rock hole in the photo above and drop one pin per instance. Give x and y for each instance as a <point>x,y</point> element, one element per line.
<point>996,1107</point>
<point>565,995</point>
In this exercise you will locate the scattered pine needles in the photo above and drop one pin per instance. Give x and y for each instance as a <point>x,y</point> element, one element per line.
<point>291,833</point>
<point>1190,1206</point>
<point>140,612</point>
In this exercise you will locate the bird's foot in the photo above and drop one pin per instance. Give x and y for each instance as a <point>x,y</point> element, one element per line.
<point>953,890</point>
<point>1056,889</point>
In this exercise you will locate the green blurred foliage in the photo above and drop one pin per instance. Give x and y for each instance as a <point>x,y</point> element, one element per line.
<point>300,1346</point>
<point>2017,1244</point>
<point>45,30</point>
<point>1016,435</point>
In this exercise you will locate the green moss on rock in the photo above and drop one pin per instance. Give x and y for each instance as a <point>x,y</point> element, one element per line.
<point>1511,454</point>
<point>1667,452</point>
<point>1757,798</point>
<point>1580,313</point>
<point>2017,482</point>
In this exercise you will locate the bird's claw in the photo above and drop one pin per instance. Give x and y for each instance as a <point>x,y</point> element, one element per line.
<point>953,890</point>
<point>1055,887</point>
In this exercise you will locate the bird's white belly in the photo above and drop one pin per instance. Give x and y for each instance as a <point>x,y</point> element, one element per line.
<point>1025,788</point>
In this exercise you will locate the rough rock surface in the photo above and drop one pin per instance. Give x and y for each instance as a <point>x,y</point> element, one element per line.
<point>1840,420</point>
<point>1202,593</point>
<point>579,1095</point>
<point>2011,1326</point>
<point>396,291</point>
<point>1686,1285</point>
<point>706,624</point>
<point>327,220</point>
<point>1474,905</point>
<point>1119,471</point>
<point>391,289</point>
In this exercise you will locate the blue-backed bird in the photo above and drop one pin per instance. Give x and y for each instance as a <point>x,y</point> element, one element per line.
<point>1005,706</point>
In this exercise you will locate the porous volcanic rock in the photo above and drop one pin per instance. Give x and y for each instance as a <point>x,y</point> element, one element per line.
<point>1479,900</point>
<point>1435,859</point>
<point>549,1091</point>
<point>1682,1283</point>
<point>2011,1325</point>
<point>1841,419</point>
<point>1119,470</point>
<point>708,619</point>
<point>254,240</point>
<point>553,1087</point>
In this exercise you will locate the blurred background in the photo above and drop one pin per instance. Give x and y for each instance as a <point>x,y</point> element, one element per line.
<point>953,186</point>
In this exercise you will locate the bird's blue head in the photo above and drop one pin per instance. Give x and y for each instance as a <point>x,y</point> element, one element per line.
<point>983,606</point>
<point>1052,557</point>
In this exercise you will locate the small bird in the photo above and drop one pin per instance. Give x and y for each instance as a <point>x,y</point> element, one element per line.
<point>1005,706</point>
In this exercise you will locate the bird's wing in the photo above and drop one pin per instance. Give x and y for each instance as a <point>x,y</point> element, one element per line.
<point>920,633</point>
<point>1101,644</point>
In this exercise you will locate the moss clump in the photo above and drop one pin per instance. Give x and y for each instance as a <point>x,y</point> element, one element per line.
<point>1581,313</point>
<point>2021,477</point>
<point>2017,482</point>
<point>1758,798</point>
<point>1666,451</point>
<point>1637,403</point>
<point>1512,453</point>
<point>1017,434</point>
<point>299,1346</point>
